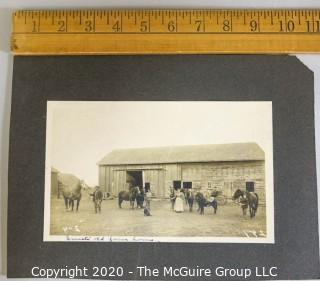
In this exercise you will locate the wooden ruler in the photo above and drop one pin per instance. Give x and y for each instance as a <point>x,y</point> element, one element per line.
<point>84,32</point>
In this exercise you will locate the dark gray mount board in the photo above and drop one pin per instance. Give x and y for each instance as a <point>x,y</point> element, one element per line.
<point>284,80</point>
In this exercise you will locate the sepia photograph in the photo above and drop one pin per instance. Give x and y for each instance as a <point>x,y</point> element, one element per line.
<point>160,171</point>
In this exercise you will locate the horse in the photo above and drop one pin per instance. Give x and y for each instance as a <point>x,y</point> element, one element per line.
<point>247,199</point>
<point>203,202</point>
<point>72,193</point>
<point>129,195</point>
<point>189,199</point>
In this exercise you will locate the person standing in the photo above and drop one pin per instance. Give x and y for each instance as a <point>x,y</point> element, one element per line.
<point>140,197</point>
<point>97,197</point>
<point>148,196</point>
<point>178,205</point>
<point>172,197</point>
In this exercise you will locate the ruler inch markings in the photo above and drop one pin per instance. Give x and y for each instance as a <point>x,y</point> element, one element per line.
<point>167,32</point>
<point>204,21</point>
<point>167,24</point>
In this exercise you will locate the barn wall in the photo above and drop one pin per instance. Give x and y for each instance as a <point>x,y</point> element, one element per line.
<point>227,176</point>
<point>119,181</point>
<point>156,179</point>
<point>102,178</point>
<point>160,176</point>
<point>54,184</point>
<point>107,179</point>
<point>172,173</point>
<point>114,178</point>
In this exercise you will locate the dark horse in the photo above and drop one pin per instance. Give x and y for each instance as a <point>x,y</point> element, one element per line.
<point>247,199</point>
<point>130,195</point>
<point>72,193</point>
<point>189,198</point>
<point>203,202</point>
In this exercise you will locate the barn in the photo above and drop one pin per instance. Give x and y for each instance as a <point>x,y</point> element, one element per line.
<point>198,167</point>
<point>54,182</point>
<point>60,180</point>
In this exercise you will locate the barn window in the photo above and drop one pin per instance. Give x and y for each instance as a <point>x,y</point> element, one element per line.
<point>176,185</point>
<point>250,186</point>
<point>147,186</point>
<point>187,184</point>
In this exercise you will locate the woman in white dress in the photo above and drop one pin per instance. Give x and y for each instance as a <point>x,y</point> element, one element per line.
<point>178,205</point>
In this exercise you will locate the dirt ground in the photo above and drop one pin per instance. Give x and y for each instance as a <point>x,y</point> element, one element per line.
<point>112,221</point>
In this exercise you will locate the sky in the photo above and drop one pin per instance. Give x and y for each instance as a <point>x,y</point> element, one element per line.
<point>80,134</point>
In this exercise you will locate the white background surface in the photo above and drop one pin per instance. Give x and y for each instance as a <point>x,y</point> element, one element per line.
<point>6,60</point>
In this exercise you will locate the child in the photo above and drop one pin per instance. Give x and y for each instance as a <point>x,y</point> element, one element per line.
<point>146,212</point>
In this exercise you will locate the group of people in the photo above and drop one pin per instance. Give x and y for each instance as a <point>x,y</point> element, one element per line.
<point>144,195</point>
<point>178,197</point>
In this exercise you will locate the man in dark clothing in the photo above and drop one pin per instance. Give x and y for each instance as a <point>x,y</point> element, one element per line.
<point>97,197</point>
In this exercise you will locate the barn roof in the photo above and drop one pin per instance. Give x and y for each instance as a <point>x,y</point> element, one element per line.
<point>185,154</point>
<point>54,170</point>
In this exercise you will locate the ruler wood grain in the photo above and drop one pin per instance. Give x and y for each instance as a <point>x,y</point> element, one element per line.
<point>56,32</point>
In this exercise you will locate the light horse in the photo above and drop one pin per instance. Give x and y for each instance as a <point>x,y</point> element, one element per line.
<point>130,195</point>
<point>247,199</point>
<point>72,193</point>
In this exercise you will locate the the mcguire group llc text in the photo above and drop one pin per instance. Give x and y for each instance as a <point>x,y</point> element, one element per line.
<point>145,271</point>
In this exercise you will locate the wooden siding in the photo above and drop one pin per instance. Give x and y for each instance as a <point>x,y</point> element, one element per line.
<point>54,183</point>
<point>172,173</point>
<point>227,176</point>
<point>156,180</point>
<point>102,177</point>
